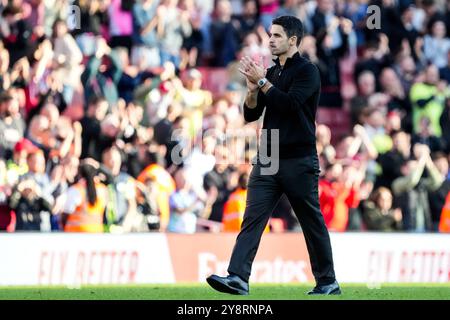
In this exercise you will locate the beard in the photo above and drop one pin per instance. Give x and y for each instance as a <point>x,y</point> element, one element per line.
<point>278,51</point>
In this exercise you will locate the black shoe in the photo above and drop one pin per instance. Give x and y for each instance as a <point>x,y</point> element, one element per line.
<point>326,289</point>
<point>231,284</point>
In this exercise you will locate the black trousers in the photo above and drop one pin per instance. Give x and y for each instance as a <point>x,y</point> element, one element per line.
<point>298,178</point>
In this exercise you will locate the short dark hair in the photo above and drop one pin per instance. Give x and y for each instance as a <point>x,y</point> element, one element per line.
<point>11,10</point>
<point>438,155</point>
<point>291,25</point>
<point>243,180</point>
<point>5,97</point>
<point>96,99</point>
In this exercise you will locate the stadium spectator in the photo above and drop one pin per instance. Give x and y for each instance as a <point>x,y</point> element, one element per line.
<point>173,26</point>
<point>401,30</point>
<point>288,8</point>
<point>35,185</point>
<point>120,20</point>
<point>234,208</point>
<point>131,77</point>
<point>16,34</point>
<point>338,192</point>
<point>411,190</point>
<point>437,45</point>
<point>391,161</point>
<point>428,100</point>
<point>221,181</point>
<point>267,11</point>
<point>10,172</point>
<point>309,48</point>
<point>37,15</point>
<point>121,210</point>
<point>358,145</point>
<point>195,99</point>
<point>12,124</point>
<point>32,210</point>
<point>374,58</point>
<point>102,73</point>
<point>426,136</point>
<point>325,149</point>
<point>93,18</point>
<point>156,175</point>
<point>199,162</point>
<point>64,174</point>
<point>67,58</point>
<point>378,213</point>
<point>17,166</point>
<point>393,123</point>
<point>391,85</point>
<point>95,113</point>
<point>406,70</point>
<point>224,35</point>
<point>248,20</point>
<point>374,122</point>
<point>86,201</point>
<point>185,206</point>
<point>366,87</point>
<point>437,198</point>
<point>146,44</point>
<point>191,53</point>
<point>37,173</point>
<point>332,35</point>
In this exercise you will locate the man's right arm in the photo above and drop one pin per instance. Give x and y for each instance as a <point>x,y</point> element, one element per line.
<point>253,106</point>
<point>251,99</point>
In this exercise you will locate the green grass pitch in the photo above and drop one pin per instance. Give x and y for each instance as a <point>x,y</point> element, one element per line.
<point>204,292</point>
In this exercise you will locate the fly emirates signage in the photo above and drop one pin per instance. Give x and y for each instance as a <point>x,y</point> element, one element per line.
<point>79,259</point>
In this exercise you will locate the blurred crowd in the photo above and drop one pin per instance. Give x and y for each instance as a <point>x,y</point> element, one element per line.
<point>106,125</point>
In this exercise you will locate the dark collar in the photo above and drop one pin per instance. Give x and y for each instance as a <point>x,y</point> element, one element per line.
<point>289,60</point>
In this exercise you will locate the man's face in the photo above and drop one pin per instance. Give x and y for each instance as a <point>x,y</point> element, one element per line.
<point>388,78</point>
<point>385,201</point>
<point>113,161</point>
<point>408,15</point>
<point>439,29</point>
<point>326,5</point>
<point>10,108</point>
<point>12,18</point>
<point>51,112</point>
<point>394,122</point>
<point>36,163</point>
<point>279,41</point>
<point>432,74</point>
<point>224,8</point>
<point>250,8</point>
<point>367,84</point>
<point>442,165</point>
<point>401,141</point>
<point>101,109</point>
<point>408,65</point>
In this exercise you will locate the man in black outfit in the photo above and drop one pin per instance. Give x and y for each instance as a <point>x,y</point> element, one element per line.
<point>289,92</point>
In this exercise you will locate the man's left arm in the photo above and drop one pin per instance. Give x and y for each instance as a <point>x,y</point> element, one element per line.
<point>305,84</point>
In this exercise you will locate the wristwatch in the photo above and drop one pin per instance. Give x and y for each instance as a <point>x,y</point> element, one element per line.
<point>262,82</point>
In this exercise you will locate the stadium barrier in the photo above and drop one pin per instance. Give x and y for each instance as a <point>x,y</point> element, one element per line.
<point>78,259</point>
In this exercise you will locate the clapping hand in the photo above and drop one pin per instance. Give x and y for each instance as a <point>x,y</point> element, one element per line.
<point>253,72</point>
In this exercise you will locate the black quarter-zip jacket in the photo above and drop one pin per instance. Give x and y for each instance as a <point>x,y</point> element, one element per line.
<point>291,106</point>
